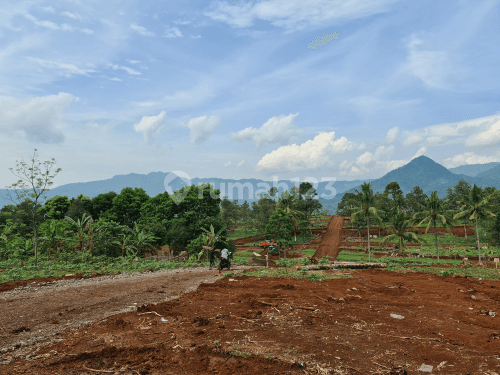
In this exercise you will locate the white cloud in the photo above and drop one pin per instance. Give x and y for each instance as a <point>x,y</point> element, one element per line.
<point>63,69</point>
<point>310,155</point>
<point>53,26</point>
<point>476,132</point>
<point>364,159</point>
<point>39,119</point>
<point>383,151</point>
<point>278,129</point>
<point>319,41</point>
<point>151,124</point>
<point>390,165</point>
<point>469,158</point>
<point>392,134</point>
<point>195,36</point>
<point>75,16</point>
<point>412,138</point>
<point>179,22</point>
<point>48,9</point>
<point>488,137</point>
<point>434,140</point>
<point>227,164</point>
<point>420,152</point>
<point>134,61</point>
<point>295,14</point>
<point>433,67</point>
<point>172,32</point>
<point>241,163</point>
<point>201,128</point>
<point>125,68</point>
<point>115,79</point>
<point>48,24</point>
<point>141,30</point>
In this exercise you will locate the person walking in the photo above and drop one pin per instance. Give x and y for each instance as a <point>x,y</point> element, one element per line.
<point>224,261</point>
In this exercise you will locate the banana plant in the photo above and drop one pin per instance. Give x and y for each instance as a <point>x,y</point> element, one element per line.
<point>141,239</point>
<point>52,235</point>
<point>125,243</point>
<point>80,227</point>
<point>211,237</point>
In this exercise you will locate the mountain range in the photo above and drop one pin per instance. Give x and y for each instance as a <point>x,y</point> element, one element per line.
<point>421,171</point>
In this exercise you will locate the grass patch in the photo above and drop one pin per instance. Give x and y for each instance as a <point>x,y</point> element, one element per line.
<point>300,275</point>
<point>50,268</point>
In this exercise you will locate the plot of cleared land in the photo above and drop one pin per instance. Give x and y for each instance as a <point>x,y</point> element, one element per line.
<point>356,322</point>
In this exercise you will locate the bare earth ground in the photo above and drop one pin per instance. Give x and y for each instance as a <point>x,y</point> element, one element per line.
<point>45,311</point>
<point>245,325</point>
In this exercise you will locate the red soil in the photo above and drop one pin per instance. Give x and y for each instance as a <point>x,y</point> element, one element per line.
<point>270,327</point>
<point>330,241</point>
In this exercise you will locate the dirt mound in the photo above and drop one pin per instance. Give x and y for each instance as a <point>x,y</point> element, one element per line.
<point>330,242</point>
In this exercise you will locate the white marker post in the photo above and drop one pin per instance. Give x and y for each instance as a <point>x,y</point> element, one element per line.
<point>496,262</point>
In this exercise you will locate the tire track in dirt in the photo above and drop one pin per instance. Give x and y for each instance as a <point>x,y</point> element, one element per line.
<point>330,241</point>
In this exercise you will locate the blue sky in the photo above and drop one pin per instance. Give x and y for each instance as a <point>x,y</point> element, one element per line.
<point>345,89</point>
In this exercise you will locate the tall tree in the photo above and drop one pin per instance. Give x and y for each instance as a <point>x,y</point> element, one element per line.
<point>456,194</point>
<point>279,228</point>
<point>365,204</point>
<point>245,214</point>
<point>127,205</point>
<point>56,207</point>
<point>434,214</point>
<point>230,211</point>
<point>262,210</point>
<point>79,206</point>
<point>416,200</point>
<point>287,203</point>
<point>102,203</point>
<point>34,180</point>
<point>476,206</point>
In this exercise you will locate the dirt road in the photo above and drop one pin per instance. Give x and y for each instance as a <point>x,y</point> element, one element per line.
<point>330,241</point>
<point>37,314</point>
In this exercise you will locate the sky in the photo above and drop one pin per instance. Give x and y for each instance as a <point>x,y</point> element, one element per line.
<point>330,89</point>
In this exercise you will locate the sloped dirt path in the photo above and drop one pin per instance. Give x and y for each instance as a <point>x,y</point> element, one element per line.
<point>330,241</point>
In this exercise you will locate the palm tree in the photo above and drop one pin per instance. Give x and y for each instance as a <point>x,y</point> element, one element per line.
<point>435,213</point>
<point>286,202</point>
<point>475,207</point>
<point>400,232</point>
<point>365,203</point>
<point>79,225</point>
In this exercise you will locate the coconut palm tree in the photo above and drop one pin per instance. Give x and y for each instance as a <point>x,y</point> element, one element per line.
<point>365,202</point>
<point>476,206</point>
<point>400,232</point>
<point>434,214</point>
<point>286,203</point>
